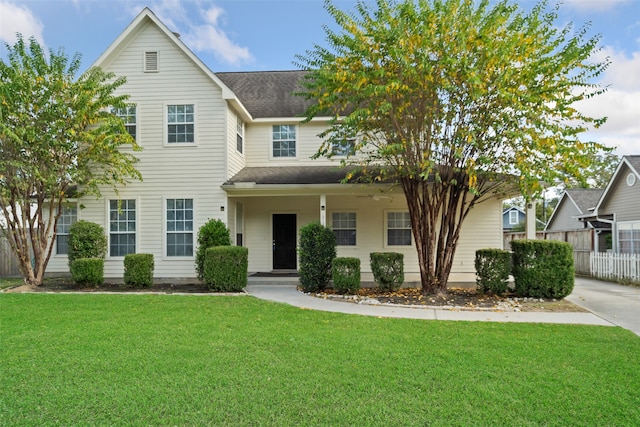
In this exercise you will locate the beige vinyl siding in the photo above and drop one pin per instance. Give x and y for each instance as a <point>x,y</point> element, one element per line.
<point>235,160</point>
<point>186,171</point>
<point>565,217</point>
<point>621,199</point>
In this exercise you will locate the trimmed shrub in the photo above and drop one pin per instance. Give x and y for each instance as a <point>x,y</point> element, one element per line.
<point>86,240</point>
<point>346,275</point>
<point>225,268</point>
<point>492,270</point>
<point>138,270</point>
<point>543,268</point>
<point>317,250</point>
<point>213,233</point>
<point>388,270</point>
<point>88,271</point>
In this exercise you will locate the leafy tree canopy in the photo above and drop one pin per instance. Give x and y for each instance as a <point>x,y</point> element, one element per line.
<point>56,132</point>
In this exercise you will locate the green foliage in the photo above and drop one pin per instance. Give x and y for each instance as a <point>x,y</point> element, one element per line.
<point>317,250</point>
<point>213,233</point>
<point>346,275</point>
<point>225,268</point>
<point>57,135</point>
<point>388,270</point>
<point>447,96</point>
<point>543,268</point>
<point>86,240</point>
<point>138,270</point>
<point>492,270</point>
<point>88,271</point>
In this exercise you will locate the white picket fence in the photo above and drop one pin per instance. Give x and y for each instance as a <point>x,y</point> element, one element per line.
<point>607,265</point>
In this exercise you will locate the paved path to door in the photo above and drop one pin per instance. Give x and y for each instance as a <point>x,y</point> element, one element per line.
<point>286,292</point>
<point>615,303</point>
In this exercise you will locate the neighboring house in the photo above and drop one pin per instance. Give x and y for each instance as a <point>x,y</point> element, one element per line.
<point>233,146</point>
<point>511,217</point>
<point>619,207</point>
<point>573,203</point>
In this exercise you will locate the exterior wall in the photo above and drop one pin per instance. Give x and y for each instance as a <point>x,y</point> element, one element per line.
<point>621,199</point>
<point>522,217</point>
<point>565,217</point>
<point>482,229</point>
<point>194,171</point>
<point>235,160</point>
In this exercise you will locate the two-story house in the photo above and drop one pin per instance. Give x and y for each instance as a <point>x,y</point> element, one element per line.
<point>233,146</point>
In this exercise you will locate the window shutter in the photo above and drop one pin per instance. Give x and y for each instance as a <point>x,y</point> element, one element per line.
<point>150,61</point>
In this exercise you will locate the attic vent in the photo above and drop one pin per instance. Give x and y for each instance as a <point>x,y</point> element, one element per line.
<point>150,62</point>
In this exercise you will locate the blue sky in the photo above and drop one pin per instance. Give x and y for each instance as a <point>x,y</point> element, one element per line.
<point>248,35</point>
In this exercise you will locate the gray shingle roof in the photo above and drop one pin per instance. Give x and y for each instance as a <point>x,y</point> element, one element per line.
<point>290,175</point>
<point>268,93</point>
<point>585,198</point>
<point>634,161</point>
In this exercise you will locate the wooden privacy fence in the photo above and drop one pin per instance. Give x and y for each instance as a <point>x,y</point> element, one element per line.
<point>8,262</point>
<point>606,265</point>
<point>581,240</point>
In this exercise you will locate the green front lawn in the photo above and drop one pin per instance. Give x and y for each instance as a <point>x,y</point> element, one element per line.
<point>192,360</point>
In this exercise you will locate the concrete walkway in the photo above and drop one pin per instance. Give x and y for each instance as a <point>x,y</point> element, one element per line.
<point>615,303</point>
<point>287,293</point>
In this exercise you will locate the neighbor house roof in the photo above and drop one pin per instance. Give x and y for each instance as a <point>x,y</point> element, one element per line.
<point>268,94</point>
<point>584,198</point>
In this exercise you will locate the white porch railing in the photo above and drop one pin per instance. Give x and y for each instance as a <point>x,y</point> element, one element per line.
<point>615,266</point>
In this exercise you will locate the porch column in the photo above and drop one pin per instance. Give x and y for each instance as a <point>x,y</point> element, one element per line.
<point>323,210</point>
<point>530,224</point>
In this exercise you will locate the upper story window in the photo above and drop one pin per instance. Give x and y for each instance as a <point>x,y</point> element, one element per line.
<point>514,218</point>
<point>179,227</point>
<point>122,227</point>
<point>68,217</point>
<point>239,134</point>
<point>151,63</point>
<point>180,124</point>
<point>128,116</point>
<point>398,229</point>
<point>346,147</point>
<point>284,141</point>
<point>344,228</point>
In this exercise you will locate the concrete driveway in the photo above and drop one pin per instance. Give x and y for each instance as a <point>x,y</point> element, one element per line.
<point>618,304</point>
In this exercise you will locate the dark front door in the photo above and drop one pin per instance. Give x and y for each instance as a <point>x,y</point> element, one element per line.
<point>284,242</point>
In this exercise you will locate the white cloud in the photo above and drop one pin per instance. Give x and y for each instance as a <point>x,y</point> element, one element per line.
<point>594,5</point>
<point>18,19</point>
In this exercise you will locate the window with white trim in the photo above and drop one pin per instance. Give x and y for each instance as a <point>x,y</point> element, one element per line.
<point>344,148</point>
<point>181,124</point>
<point>239,134</point>
<point>344,228</point>
<point>284,141</point>
<point>179,227</point>
<point>68,217</point>
<point>398,229</point>
<point>128,116</point>
<point>514,218</point>
<point>122,227</point>
<point>629,237</point>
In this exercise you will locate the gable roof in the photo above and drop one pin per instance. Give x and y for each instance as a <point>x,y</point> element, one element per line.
<point>269,93</point>
<point>584,200</point>
<point>633,163</point>
<point>145,16</point>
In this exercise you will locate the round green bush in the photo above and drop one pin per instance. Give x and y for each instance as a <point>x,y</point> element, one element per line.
<point>86,240</point>
<point>346,275</point>
<point>87,271</point>
<point>388,270</point>
<point>492,270</point>
<point>317,250</point>
<point>138,270</point>
<point>213,233</point>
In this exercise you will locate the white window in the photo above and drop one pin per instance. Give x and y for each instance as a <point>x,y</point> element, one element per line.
<point>514,218</point>
<point>239,134</point>
<point>122,227</point>
<point>151,62</point>
<point>179,227</point>
<point>181,124</point>
<point>128,116</point>
<point>68,217</point>
<point>344,228</point>
<point>398,229</point>
<point>344,148</point>
<point>284,141</point>
<point>629,237</point>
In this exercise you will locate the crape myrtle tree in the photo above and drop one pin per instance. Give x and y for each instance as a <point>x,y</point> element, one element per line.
<point>448,97</point>
<point>56,132</point>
